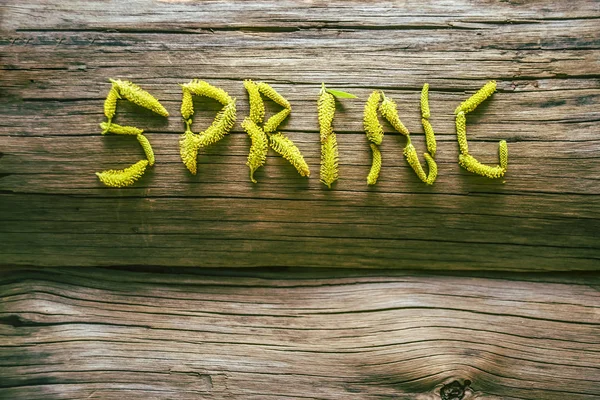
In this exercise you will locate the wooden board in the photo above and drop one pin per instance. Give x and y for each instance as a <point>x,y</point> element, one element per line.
<point>545,215</point>
<point>149,330</point>
<point>330,334</point>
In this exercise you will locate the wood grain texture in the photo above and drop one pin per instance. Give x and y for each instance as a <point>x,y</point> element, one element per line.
<point>56,59</point>
<point>303,334</point>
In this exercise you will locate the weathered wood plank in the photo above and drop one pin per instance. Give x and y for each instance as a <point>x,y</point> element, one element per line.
<point>544,215</point>
<point>283,216</point>
<point>173,14</point>
<point>255,334</point>
<point>111,334</point>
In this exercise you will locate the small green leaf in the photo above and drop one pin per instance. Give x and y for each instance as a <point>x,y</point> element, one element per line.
<point>341,95</point>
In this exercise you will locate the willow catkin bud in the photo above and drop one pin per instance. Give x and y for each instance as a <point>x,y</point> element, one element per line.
<point>503,152</point>
<point>373,128</point>
<point>147,148</point>
<point>429,137</point>
<point>288,150</point>
<point>329,160</point>
<point>272,94</point>
<point>274,121</point>
<point>187,104</point>
<point>257,106</point>
<point>413,160</point>
<point>123,177</point>
<point>433,170</point>
<point>221,126</point>
<point>471,164</point>
<point>326,112</point>
<point>188,150</point>
<point>472,102</point>
<point>110,104</point>
<point>375,165</point>
<point>139,96</point>
<point>202,88</point>
<point>190,143</point>
<point>389,111</point>
<point>328,173</point>
<point>259,147</point>
<point>465,160</point>
<point>119,129</point>
<point>461,132</point>
<point>425,113</point>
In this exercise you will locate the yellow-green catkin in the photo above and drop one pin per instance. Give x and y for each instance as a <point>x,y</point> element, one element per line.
<point>119,129</point>
<point>187,107</point>
<point>135,94</point>
<point>257,106</point>
<point>290,152</point>
<point>139,96</point>
<point>471,164</point>
<point>110,104</point>
<point>375,165</point>
<point>328,173</point>
<point>147,148</point>
<point>202,88</point>
<point>503,152</point>
<point>123,177</point>
<point>190,143</point>
<point>329,161</point>
<point>461,132</point>
<point>273,123</point>
<point>263,137</point>
<point>326,112</point>
<point>272,94</point>
<point>373,128</point>
<point>425,113</point>
<point>389,111</point>
<point>432,169</point>
<point>472,102</point>
<point>188,150</point>
<point>466,160</point>
<point>221,126</point>
<point>413,160</point>
<point>410,151</point>
<point>259,148</point>
<point>429,137</point>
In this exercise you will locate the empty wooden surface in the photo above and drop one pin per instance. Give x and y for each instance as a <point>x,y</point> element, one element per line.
<point>57,58</point>
<point>303,334</point>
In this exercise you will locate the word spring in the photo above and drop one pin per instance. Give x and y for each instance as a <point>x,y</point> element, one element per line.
<point>264,135</point>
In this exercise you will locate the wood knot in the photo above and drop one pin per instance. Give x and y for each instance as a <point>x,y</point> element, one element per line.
<point>454,390</point>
